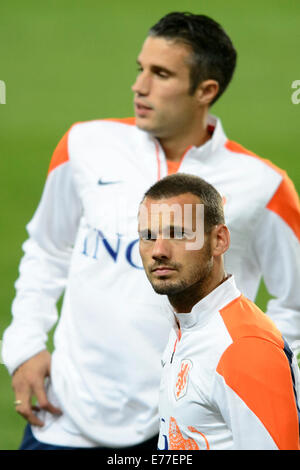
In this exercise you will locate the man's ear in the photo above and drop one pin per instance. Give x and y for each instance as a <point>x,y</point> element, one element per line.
<point>220,240</point>
<point>207,91</point>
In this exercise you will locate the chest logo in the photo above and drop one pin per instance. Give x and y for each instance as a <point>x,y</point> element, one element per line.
<point>182,378</point>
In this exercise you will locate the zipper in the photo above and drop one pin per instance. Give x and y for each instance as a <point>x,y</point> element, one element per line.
<point>175,345</point>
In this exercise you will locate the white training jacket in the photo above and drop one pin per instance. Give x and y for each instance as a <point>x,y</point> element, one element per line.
<point>229,380</point>
<point>83,241</point>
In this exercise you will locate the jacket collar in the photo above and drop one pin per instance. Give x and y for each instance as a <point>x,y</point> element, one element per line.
<point>206,307</point>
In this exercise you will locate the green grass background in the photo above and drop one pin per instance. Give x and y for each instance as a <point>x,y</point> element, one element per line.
<point>66,61</point>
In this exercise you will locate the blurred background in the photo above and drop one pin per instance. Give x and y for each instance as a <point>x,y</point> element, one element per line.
<point>66,61</point>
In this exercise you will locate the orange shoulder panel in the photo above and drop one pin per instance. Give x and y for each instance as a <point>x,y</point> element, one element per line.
<point>243,318</point>
<point>259,373</point>
<point>237,148</point>
<point>60,154</point>
<point>285,201</point>
<point>255,367</point>
<point>129,121</point>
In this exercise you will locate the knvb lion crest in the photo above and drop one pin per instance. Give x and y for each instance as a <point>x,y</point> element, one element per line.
<point>182,378</point>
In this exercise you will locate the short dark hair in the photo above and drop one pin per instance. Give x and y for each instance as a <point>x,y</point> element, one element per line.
<point>182,183</point>
<point>213,54</point>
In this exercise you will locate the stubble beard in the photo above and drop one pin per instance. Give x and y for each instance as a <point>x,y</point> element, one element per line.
<point>164,287</point>
<point>194,284</point>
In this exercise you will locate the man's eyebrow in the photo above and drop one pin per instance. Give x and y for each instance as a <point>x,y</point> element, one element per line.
<point>157,68</point>
<point>160,68</point>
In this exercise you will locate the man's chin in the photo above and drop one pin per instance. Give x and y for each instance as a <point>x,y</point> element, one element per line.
<point>145,124</point>
<point>142,124</point>
<point>167,289</point>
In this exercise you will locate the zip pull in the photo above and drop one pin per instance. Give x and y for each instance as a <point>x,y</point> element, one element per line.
<point>173,352</point>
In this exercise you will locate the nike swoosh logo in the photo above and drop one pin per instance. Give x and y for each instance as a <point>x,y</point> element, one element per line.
<point>104,183</point>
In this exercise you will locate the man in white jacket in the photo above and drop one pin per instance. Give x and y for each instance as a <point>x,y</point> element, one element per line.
<point>105,368</point>
<point>229,381</point>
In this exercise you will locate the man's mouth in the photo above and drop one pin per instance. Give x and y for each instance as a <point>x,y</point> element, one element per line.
<point>162,270</point>
<point>142,109</point>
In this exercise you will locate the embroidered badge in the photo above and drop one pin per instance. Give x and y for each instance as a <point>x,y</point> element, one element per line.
<point>182,378</point>
<point>178,442</point>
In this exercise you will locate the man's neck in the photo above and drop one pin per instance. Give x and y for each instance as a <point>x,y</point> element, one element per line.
<point>185,301</point>
<point>176,145</point>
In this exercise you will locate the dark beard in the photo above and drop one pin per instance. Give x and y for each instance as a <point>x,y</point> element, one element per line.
<point>185,287</point>
<point>184,293</point>
<point>171,289</point>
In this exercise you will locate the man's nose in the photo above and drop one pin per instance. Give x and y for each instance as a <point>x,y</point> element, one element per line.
<point>142,84</point>
<point>161,249</point>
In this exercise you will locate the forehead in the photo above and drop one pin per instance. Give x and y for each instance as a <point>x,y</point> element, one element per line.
<point>178,210</point>
<point>163,52</point>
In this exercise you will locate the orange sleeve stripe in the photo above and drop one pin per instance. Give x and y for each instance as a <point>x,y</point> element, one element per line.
<point>129,120</point>
<point>60,154</point>
<point>258,372</point>
<point>285,201</point>
<point>237,148</point>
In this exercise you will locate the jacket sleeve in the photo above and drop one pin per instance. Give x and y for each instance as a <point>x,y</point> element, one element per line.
<point>276,247</point>
<point>44,267</point>
<point>255,393</point>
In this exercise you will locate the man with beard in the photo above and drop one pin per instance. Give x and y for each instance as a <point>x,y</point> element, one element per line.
<point>105,367</point>
<point>229,380</point>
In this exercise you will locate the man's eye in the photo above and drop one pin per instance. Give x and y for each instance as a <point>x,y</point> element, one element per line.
<point>146,236</point>
<point>162,74</point>
<point>177,233</point>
